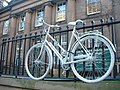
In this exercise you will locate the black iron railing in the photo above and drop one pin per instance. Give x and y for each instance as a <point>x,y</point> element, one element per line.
<point>13,50</point>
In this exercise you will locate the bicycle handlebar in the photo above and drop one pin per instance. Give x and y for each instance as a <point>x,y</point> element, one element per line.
<point>74,23</point>
<point>57,26</point>
<point>52,26</point>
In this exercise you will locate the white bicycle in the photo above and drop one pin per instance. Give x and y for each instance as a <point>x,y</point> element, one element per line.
<point>91,56</point>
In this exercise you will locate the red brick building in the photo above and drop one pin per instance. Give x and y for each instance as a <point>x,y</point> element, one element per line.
<point>25,15</point>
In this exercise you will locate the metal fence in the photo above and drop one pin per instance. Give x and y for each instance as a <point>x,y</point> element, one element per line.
<point>13,50</point>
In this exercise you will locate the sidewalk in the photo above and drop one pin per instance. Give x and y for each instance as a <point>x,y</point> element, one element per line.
<point>9,88</point>
<point>56,85</point>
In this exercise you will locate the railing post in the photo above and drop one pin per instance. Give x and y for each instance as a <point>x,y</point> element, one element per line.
<point>15,61</point>
<point>19,55</point>
<point>59,52</point>
<point>14,54</point>
<point>35,37</point>
<point>1,56</point>
<point>29,38</point>
<point>84,64</point>
<point>28,42</point>
<point>24,54</point>
<point>114,43</point>
<point>7,52</point>
<point>92,22</point>
<point>102,21</point>
<point>54,57</point>
<point>67,33</point>
<point>92,46</point>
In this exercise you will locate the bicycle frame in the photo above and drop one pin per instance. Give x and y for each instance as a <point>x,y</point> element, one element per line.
<point>59,55</point>
<point>94,67</point>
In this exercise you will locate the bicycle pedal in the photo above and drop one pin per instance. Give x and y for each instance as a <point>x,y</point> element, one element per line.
<point>64,73</point>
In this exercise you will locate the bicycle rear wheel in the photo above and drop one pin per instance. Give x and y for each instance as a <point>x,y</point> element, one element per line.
<point>38,69</point>
<point>101,63</point>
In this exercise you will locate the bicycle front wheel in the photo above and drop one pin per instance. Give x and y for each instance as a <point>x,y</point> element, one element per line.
<point>101,61</point>
<point>37,66</point>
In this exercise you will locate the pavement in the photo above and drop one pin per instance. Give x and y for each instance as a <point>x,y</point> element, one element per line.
<point>23,84</point>
<point>10,88</point>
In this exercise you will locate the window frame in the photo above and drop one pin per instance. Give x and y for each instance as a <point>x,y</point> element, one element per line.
<point>93,12</point>
<point>40,24</point>
<point>21,16</point>
<point>62,2</point>
<point>6,27</point>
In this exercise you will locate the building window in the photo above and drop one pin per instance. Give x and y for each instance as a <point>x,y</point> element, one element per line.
<point>93,7</point>
<point>39,17</point>
<point>6,27</point>
<point>4,3</point>
<point>64,41</point>
<point>60,12</point>
<point>22,23</point>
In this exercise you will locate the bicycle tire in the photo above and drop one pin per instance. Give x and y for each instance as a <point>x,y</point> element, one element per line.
<point>38,71</point>
<point>101,65</point>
